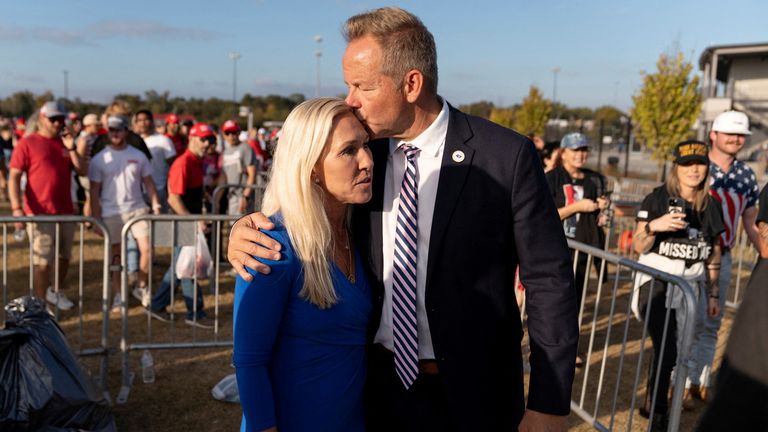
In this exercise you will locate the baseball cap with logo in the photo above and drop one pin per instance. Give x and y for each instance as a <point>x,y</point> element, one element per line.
<point>230,126</point>
<point>201,130</point>
<point>574,141</point>
<point>732,122</point>
<point>90,119</point>
<point>117,122</point>
<point>172,119</point>
<point>691,151</point>
<point>53,109</point>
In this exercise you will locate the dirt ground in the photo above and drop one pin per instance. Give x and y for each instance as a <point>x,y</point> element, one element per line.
<point>180,398</point>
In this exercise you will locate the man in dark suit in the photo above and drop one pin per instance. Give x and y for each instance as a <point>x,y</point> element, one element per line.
<point>458,203</point>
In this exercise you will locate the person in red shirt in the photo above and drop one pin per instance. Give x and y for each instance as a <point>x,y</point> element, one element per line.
<point>185,196</point>
<point>48,162</point>
<point>174,133</point>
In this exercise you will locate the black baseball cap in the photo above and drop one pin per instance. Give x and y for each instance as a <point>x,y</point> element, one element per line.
<point>691,151</point>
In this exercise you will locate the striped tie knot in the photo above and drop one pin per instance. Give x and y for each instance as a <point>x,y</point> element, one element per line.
<point>410,151</point>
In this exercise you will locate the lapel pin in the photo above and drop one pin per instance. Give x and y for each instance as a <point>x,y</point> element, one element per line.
<point>458,156</point>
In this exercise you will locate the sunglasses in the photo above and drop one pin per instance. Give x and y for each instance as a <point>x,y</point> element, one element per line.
<point>209,140</point>
<point>230,133</point>
<point>116,130</point>
<point>57,119</point>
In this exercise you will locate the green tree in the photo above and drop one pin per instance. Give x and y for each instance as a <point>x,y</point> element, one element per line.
<point>481,109</point>
<point>503,116</point>
<point>533,114</point>
<point>666,106</point>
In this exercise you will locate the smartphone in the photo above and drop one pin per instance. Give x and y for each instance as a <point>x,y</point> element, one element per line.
<point>676,205</point>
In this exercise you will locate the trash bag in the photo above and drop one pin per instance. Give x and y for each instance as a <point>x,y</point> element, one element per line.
<point>195,259</point>
<point>42,387</point>
<point>226,390</point>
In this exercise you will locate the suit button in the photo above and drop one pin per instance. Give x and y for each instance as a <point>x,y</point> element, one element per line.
<point>432,309</point>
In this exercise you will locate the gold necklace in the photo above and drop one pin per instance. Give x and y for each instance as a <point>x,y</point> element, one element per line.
<point>351,273</point>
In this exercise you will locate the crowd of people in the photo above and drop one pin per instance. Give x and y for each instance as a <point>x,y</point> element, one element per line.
<point>376,291</point>
<point>116,166</point>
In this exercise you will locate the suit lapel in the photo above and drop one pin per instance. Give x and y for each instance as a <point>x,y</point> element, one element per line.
<point>380,150</point>
<point>456,163</point>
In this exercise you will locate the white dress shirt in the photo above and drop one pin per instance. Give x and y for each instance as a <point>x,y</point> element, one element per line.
<point>431,142</point>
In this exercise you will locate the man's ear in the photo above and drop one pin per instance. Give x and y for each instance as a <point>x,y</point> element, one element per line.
<point>413,85</point>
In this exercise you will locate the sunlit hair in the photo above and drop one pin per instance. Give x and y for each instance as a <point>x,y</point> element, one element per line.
<point>405,42</point>
<point>33,124</point>
<point>700,193</point>
<point>292,192</point>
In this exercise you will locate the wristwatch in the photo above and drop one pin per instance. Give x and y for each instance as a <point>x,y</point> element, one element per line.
<point>648,229</point>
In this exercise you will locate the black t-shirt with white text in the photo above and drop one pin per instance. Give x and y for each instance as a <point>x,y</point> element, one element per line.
<point>692,244</point>
<point>566,190</point>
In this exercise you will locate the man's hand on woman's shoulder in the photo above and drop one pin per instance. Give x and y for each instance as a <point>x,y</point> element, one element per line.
<point>246,241</point>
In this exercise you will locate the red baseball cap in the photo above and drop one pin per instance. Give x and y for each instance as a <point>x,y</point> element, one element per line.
<point>201,130</point>
<point>230,126</point>
<point>172,119</point>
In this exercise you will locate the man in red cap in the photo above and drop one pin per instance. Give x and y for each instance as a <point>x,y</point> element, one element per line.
<point>174,133</point>
<point>185,196</point>
<point>238,166</point>
<point>47,162</point>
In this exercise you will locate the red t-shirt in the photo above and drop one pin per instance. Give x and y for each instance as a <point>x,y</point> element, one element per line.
<point>49,175</point>
<point>179,143</point>
<point>185,178</point>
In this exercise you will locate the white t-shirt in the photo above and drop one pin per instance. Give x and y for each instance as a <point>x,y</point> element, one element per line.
<point>161,147</point>
<point>120,173</point>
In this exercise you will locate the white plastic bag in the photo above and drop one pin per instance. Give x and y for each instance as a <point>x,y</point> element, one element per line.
<point>226,390</point>
<point>195,260</point>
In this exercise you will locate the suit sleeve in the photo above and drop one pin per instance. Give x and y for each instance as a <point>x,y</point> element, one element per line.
<point>546,273</point>
<point>259,307</point>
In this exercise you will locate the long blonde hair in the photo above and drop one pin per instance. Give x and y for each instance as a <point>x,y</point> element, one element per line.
<point>300,201</point>
<point>700,193</point>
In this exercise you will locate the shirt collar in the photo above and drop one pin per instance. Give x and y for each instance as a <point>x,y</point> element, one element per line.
<point>432,139</point>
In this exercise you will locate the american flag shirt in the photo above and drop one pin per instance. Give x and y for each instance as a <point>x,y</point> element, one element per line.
<point>737,191</point>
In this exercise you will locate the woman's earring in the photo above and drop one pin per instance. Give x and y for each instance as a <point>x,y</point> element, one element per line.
<point>316,180</point>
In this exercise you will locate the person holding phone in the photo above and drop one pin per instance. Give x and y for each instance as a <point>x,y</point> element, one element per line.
<point>677,231</point>
<point>580,197</point>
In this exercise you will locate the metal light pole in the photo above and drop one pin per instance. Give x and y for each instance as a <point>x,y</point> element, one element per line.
<point>318,54</point>
<point>66,84</point>
<point>234,56</point>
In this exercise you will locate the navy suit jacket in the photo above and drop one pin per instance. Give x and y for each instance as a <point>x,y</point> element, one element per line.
<point>493,211</point>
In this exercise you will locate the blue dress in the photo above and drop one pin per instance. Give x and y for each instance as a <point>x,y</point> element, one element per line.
<point>300,367</point>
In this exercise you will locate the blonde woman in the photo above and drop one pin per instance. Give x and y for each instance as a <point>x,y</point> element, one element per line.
<point>678,225</point>
<point>300,331</point>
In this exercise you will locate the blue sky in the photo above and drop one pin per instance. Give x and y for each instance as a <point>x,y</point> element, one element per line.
<point>487,50</point>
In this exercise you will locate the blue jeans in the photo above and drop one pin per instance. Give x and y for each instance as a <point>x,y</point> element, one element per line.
<point>705,337</point>
<point>132,250</point>
<point>162,297</point>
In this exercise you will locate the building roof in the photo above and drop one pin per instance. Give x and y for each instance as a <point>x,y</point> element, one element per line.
<point>736,50</point>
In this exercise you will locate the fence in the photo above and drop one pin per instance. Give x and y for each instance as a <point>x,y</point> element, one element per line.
<point>258,193</point>
<point>171,231</point>
<point>85,302</point>
<point>619,343</point>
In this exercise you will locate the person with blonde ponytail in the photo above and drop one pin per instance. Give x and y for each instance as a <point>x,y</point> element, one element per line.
<point>300,331</point>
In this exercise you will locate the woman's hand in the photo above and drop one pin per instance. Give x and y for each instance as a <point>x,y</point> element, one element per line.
<point>586,205</point>
<point>246,241</point>
<point>713,307</point>
<point>670,222</point>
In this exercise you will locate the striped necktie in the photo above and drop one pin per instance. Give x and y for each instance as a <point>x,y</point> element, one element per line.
<point>404,274</point>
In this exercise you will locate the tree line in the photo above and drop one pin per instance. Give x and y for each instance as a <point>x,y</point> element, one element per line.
<point>664,111</point>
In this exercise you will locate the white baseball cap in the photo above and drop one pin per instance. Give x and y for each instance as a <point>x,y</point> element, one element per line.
<point>732,122</point>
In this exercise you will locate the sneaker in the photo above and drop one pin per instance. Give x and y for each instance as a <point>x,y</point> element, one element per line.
<point>117,303</point>
<point>59,299</point>
<point>203,323</point>
<point>142,295</point>
<point>159,315</point>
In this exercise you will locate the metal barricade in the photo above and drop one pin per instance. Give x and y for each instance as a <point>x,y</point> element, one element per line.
<point>91,336</point>
<point>171,231</point>
<point>616,344</point>
<point>258,193</point>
